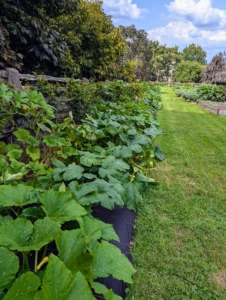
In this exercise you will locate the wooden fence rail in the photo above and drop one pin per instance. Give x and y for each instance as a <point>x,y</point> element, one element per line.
<point>191,84</point>
<point>13,77</point>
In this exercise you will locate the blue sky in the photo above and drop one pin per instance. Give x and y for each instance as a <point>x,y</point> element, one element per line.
<point>175,22</point>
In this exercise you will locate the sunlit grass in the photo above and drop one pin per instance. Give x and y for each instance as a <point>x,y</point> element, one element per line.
<point>180,245</point>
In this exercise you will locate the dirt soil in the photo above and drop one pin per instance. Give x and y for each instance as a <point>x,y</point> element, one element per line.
<point>218,105</point>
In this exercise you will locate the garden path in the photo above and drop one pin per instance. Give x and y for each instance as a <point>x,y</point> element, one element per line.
<point>180,245</point>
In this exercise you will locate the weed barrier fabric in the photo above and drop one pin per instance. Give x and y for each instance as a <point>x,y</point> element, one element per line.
<point>123,221</point>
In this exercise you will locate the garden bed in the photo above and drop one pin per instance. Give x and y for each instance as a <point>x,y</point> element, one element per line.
<point>217,108</point>
<point>53,176</point>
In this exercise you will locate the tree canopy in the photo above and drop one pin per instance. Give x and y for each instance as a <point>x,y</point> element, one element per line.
<point>194,52</point>
<point>217,65</point>
<point>76,38</point>
<point>138,49</point>
<point>27,38</point>
<point>188,71</point>
<point>71,37</point>
<point>163,60</point>
<point>94,43</point>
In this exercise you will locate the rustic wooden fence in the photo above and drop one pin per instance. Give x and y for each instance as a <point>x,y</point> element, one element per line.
<point>14,78</point>
<point>172,84</point>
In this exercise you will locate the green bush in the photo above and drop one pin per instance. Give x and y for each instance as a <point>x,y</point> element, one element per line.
<point>82,97</point>
<point>211,92</point>
<point>188,94</point>
<point>188,71</point>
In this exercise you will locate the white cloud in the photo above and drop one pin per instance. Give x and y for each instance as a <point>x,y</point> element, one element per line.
<point>219,36</point>
<point>194,22</point>
<point>200,13</point>
<point>177,30</point>
<point>123,8</point>
<point>186,32</point>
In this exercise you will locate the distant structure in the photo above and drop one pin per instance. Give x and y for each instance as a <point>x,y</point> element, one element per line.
<point>215,72</point>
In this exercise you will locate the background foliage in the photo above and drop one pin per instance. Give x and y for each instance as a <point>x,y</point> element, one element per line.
<point>76,38</point>
<point>188,71</point>
<point>28,41</point>
<point>194,52</point>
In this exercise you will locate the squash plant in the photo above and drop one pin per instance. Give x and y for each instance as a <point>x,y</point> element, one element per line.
<point>213,93</point>
<point>50,177</point>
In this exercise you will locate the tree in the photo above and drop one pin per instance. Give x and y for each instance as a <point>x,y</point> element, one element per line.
<point>217,65</point>
<point>27,39</point>
<point>188,71</point>
<point>163,61</point>
<point>137,50</point>
<point>194,52</point>
<point>54,37</point>
<point>94,44</point>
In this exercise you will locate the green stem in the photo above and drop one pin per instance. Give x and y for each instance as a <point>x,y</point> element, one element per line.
<point>23,262</point>
<point>14,212</point>
<point>44,252</point>
<point>26,260</point>
<point>36,260</point>
<point>139,167</point>
<point>44,159</point>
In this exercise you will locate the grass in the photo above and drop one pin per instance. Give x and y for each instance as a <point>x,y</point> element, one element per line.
<point>180,246</point>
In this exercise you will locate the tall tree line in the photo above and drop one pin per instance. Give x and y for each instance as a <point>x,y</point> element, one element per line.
<point>76,38</point>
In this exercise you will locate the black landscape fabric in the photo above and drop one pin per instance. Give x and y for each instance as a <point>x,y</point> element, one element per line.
<point>123,221</point>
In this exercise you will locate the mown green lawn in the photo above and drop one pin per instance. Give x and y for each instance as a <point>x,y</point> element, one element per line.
<point>180,245</point>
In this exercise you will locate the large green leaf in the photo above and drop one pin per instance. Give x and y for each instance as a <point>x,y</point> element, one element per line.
<point>58,163</point>
<point>101,289</point>
<point>97,229</point>
<point>59,170</point>
<point>117,185</point>
<point>18,195</point>
<point>158,153</point>
<point>50,141</point>
<point>33,152</point>
<point>9,266</point>
<point>71,245</point>
<point>122,152</point>
<point>5,93</point>
<point>24,288</point>
<point>113,167</point>
<point>73,172</point>
<point>21,134</point>
<point>32,141</point>
<point>133,185</point>
<point>107,196</point>
<point>8,176</point>
<point>153,131</point>
<point>15,154</point>
<point>5,219</point>
<point>35,212</point>
<point>59,283</point>
<point>110,261</point>
<point>135,142</point>
<point>86,193</point>
<point>22,235</point>
<point>18,167</point>
<point>90,159</point>
<point>61,206</point>
<point>109,295</point>
<point>10,147</point>
<point>58,174</point>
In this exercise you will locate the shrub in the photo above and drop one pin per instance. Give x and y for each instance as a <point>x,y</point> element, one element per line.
<point>187,93</point>
<point>213,93</point>
<point>188,71</point>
